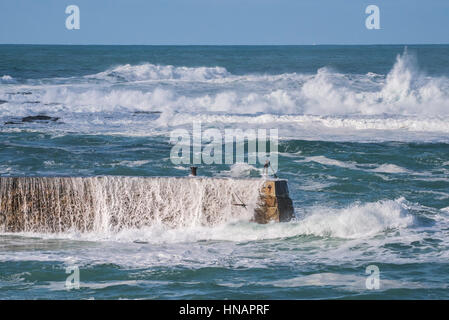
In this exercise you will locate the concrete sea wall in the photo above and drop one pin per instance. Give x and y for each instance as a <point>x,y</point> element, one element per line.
<point>60,204</point>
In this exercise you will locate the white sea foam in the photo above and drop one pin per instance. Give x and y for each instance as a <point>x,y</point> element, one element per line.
<point>330,162</point>
<point>326,104</point>
<point>148,71</point>
<point>389,168</point>
<point>242,169</point>
<point>358,220</point>
<point>383,168</point>
<point>357,234</point>
<point>354,221</point>
<point>7,79</point>
<point>404,92</point>
<point>132,164</point>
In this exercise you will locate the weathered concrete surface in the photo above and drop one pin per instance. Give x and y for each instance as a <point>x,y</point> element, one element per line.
<point>59,204</point>
<point>276,204</point>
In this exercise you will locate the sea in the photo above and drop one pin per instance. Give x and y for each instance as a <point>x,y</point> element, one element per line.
<point>363,140</point>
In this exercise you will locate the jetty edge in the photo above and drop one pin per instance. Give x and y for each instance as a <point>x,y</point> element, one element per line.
<point>276,204</point>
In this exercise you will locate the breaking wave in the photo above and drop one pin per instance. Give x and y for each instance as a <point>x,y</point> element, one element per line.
<point>357,221</point>
<point>403,100</point>
<point>404,91</point>
<point>382,168</point>
<point>148,71</point>
<point>7,79</point>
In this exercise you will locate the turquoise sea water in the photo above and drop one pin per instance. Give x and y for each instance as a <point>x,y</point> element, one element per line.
<point>364,144</point>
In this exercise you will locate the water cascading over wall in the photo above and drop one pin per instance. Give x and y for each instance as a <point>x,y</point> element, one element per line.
<point>110,204</point>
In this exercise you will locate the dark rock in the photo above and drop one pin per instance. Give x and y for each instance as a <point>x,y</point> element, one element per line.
<point>39,118</point>
<point>21,92</point>
<point>12,122</point>
<point>3,101</point>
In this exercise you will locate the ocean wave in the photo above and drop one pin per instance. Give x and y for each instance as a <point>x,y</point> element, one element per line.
<point>294,123</point>
<point>358,233</point>
<point>152,73</point>
<point>225,107</point>
<point>390,168</point>
<point>241,170</point>
<point>358,220</point>
<point>7,79</point>
<point>383,168</point>
<point>404,91</point>
<point>355,221</point>
<point>148,71</point>
<point>404,100</point>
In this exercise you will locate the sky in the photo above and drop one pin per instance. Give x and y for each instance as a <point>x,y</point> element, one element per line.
<point>224,22</point>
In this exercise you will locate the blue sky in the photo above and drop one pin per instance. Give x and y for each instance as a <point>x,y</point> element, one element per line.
<point>224,22</point>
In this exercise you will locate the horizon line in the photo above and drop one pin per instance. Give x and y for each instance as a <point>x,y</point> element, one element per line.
<point>224,45</point>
